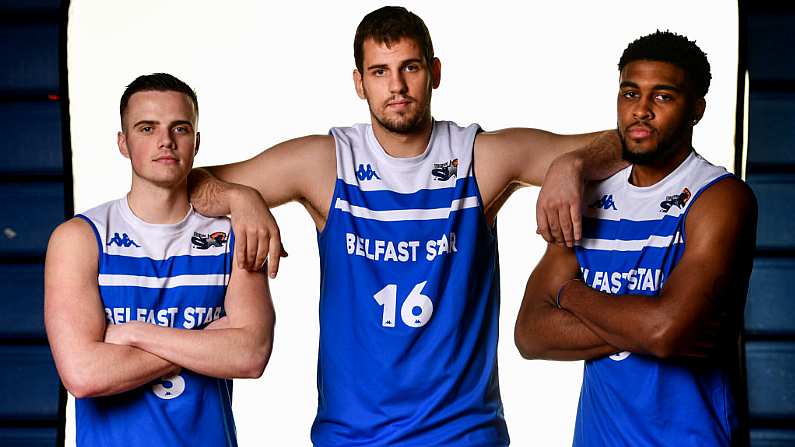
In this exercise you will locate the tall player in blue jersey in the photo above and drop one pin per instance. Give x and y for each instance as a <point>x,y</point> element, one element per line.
<point>652,296</point>
<point>405,210</point>
<point>145,312</point>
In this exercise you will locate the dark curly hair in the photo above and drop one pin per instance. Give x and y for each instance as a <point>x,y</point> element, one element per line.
<point>665,46</point>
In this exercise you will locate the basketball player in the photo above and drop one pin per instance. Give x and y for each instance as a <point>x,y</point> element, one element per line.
<point>652,296</point>
<point>130,284</point>
<point>405,210</point>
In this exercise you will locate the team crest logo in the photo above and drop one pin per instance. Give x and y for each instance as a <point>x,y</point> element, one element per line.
<point>678,200</point>
<point>605,203</point>
<point>444,171</point>
<point>205,241</point>
<point>123,241</point>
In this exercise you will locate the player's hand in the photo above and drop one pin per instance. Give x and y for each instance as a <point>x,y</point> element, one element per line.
<point>256,232</point>
<point>559,202</point>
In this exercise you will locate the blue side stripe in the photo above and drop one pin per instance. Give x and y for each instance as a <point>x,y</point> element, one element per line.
<point>390,200</point>
<point>627,230</point>
<point>165,268</point>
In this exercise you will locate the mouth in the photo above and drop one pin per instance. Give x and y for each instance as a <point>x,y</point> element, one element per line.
<point>401,103</point>
<point>639,131</point>
<point>166,160</point>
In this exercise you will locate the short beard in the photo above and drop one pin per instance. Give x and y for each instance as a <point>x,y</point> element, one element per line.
<point>411,125</point>
<point>404,126</point>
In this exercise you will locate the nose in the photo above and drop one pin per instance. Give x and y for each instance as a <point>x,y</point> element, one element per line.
<point>397,84</point>
<point>165,139</point>
<point>643,109</point>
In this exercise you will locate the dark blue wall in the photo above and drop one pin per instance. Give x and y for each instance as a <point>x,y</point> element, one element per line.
<point>768,46</point>
<point>35,196</point>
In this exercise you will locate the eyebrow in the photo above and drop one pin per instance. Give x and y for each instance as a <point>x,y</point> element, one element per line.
<point>402,64</point>
<point>153,122</point>
<point>656,87</point>
<point>146,122</point>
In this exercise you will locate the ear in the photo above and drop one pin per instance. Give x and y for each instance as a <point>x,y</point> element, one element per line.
<point>358,84</point>
<point>198,140</point>
<point>121,141</point>
<point>436,72</point>
<point>698,110</point>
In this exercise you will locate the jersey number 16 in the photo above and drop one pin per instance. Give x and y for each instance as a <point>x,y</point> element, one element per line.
<point>416,310</point>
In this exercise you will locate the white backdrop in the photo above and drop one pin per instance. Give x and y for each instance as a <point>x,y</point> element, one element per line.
<point>266,72</point>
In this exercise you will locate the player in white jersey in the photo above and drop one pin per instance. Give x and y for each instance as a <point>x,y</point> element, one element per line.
<point>652,297</point>
<point>144,310</point>
<point>342,181</point>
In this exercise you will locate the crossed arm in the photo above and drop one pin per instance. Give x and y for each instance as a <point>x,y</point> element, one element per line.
<point>698,308</point>
<point>93,362</point>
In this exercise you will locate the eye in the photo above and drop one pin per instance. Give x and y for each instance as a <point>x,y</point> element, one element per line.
<point>181,129</point>
<point>663,97</point>
<point>147,129</point>
<point>379,72</point>
<point>630,94</point>
<point>411,67</point>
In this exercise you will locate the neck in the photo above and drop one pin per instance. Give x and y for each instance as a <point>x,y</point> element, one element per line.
<point>404,145</point>
<point>158,205</point>
<point>650,174</point>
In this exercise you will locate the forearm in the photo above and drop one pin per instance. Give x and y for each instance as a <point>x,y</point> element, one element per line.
<point>103,369</point>
<point>629,322</point>
<point>209,195</point>
<point>555,334</point>
<point>598,160</point>
<point>226,353</point>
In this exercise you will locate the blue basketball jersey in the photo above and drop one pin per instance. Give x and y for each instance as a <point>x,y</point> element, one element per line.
<point>409,299</point>
<point>169,275</point>
<point>633,237</point>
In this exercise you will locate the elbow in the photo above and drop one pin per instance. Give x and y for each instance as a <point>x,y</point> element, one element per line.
<point>664,340</point>
<point>81,385</point>
<point>257,359</point>
<point>528,345</point>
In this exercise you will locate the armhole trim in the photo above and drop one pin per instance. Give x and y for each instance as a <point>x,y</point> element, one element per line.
<point>491,229</point>
<point>335,191</point>
<point>231,258</point>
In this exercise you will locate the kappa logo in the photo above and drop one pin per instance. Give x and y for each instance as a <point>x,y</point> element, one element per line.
<point>606,202</point>
<point>678,200</point>
<point>366,173</point>
<point>443,171</point>
<point>122,241</point>
<point>205,241</point>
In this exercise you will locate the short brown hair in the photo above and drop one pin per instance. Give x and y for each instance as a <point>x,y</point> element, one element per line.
<point>388,25</point>
<point>159,82</point>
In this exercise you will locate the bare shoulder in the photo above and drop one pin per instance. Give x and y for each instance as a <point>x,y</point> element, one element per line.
<point>505,139</point>
<point>319,148</point>
<point>724,214</point>
<point>75,232</point>
<point>312,145</point>
<point>72,244</point>
<point>728,196</point>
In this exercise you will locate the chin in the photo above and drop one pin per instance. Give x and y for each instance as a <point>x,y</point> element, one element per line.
<point>639,156</point>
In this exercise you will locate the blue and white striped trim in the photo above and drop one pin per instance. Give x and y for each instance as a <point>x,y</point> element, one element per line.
<point>152,282</point>
<point>406,214</point>
<point>631,245</point>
